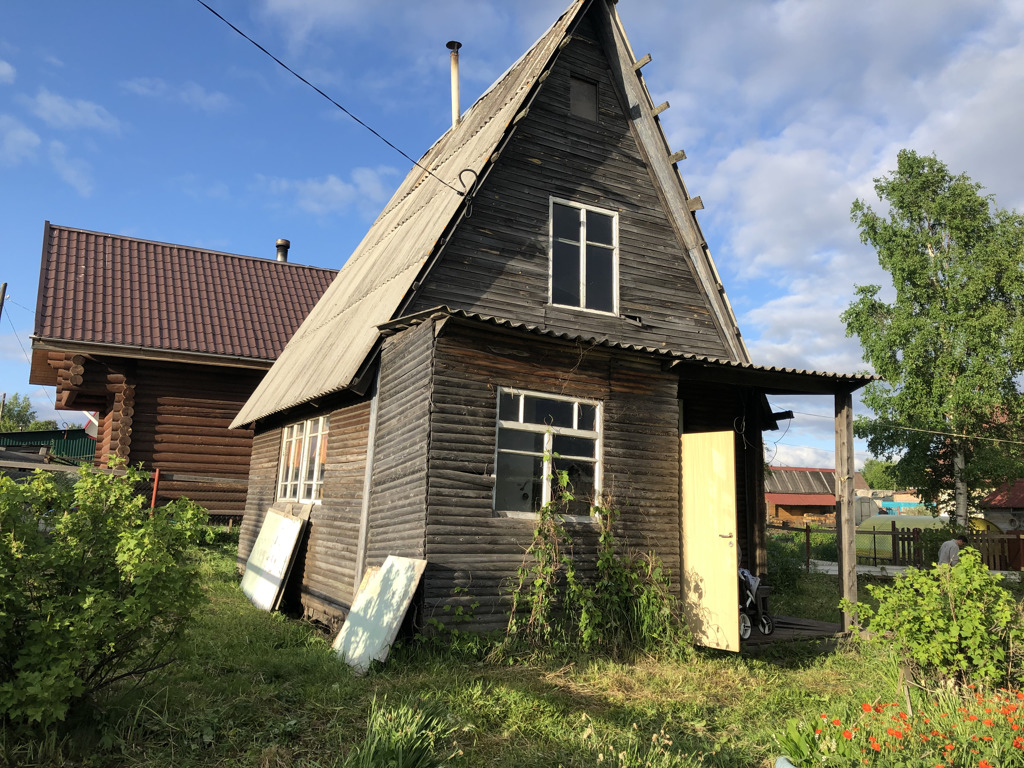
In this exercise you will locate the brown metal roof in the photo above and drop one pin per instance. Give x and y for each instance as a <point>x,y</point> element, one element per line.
<point>117,291</point>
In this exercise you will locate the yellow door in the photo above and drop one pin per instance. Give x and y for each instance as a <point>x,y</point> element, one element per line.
<point>710,562</point>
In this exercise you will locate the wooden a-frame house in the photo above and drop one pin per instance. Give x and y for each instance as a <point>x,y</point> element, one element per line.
<point>565,304</point>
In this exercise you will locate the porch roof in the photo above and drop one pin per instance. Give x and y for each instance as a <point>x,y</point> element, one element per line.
<point>770,380</point>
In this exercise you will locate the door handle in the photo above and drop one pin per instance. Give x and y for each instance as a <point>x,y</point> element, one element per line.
<point>725,535</point>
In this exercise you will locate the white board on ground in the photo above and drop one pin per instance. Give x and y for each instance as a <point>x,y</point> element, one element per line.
<point>271,558</point>
<point>377,612</point>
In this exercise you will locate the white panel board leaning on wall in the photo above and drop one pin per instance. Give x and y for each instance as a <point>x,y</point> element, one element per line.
<point>271,558</point>
<point>377,612</point>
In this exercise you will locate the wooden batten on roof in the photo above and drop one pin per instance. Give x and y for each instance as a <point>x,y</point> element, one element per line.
<point>333,345</point>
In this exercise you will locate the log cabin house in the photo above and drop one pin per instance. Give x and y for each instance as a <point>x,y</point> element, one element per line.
<point>538,285</point>
<point>165,343</point>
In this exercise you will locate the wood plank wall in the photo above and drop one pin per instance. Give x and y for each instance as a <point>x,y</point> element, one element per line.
<point>179,423</point>
<point>266,454</point>
<point>328,571</point>
<point>399,489</point>
<point>496,263</point>
<point>467,546</point>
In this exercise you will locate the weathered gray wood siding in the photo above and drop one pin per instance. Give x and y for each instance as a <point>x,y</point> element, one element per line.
<point>328,569</point>
<point>470,549</point>
<point>398,496</point>
<point>266,453</point>
<point>496,262</point>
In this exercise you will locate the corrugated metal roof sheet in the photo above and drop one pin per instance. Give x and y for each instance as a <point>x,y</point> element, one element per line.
<point>99,288</point>
<point>331,345</point>
<point>800,480</point>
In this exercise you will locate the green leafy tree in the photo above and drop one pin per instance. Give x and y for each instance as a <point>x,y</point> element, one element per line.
<point>879,475</point>
<point>19,416</point>
<point>950,344</point>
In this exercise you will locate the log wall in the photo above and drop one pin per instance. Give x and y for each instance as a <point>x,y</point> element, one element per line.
<point>262,488</point>
<point>496,262</point>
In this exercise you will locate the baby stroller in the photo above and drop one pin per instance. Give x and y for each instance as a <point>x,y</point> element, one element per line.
<point>754,605</point>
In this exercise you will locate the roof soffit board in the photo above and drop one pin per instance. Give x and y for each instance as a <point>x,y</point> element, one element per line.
<point>370,287</point>
<point>653,144</point>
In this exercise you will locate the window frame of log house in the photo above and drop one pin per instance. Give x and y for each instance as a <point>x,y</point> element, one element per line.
<point>561,242</point>
<point>521,434</point>
<point>293,476</point>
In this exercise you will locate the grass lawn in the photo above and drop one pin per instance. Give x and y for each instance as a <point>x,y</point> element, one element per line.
<point>255,689</point>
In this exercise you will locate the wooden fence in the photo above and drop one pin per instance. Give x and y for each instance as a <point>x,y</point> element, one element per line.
<point>999,551</point>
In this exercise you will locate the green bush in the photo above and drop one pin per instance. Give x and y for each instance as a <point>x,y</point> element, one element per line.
<point>949,623</point>
<point>786,560</point>
<point>95,588</point>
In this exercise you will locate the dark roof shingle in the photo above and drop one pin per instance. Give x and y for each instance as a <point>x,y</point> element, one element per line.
<point>99,288</point>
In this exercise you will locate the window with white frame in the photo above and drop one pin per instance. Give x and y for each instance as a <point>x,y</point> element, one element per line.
<point>539,434</point>
<point>584,256</point>
<point>300,474</point>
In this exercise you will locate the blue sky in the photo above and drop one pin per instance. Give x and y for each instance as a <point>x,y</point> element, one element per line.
<point>156,120</point>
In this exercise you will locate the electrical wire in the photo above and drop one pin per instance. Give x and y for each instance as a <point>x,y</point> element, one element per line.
<point>304,80</point>
<point>27,358</point>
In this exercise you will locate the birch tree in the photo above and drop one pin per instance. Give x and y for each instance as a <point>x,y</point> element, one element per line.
<point>950,342</point>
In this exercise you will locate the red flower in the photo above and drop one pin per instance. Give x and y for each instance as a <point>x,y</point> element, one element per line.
<point>985,764</point>
<point>817,731</point>
<point>987,722</point>
<point>866,707</point>
<point>847,734</point>
<point>836,722</point>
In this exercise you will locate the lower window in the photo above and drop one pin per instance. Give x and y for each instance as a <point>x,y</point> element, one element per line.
<point>540,435</point>
<point>300,475</point>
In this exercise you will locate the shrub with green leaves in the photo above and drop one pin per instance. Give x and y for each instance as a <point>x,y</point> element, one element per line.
<point>94,588</point>
<point>949,623</point>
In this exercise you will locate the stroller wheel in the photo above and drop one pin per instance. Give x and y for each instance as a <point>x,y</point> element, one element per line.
<point>744,626</point>
<point>765,624</point>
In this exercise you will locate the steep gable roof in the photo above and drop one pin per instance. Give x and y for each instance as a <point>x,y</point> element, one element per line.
<point>124,294</point>
<point>330,348</point>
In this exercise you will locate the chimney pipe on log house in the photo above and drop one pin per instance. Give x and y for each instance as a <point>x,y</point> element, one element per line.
<point>453,46</point>
<point>282,249</point>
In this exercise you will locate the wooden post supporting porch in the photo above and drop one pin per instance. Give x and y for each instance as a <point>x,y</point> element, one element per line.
<point>846,538</point>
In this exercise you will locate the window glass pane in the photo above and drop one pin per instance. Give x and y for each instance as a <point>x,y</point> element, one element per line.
<point>563,445</point>
<point>588,417</point>
<point>599,228</point>
<point>514,440</point>
<point>508,407</point>
<point>565,222</point>
<point>518,485</point>
<point>581,485</point>
<point>583,98</point>
<point>553,413</point>
<point>600,269</point>
<point>565,274</point>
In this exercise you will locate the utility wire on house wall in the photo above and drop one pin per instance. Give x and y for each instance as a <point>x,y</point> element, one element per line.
<point>304,80</point>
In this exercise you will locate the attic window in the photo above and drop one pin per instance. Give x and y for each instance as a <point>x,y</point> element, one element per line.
<point>584,256</point>
<point>539,434</point>
<point>300,475</point>
<point>583,98</point>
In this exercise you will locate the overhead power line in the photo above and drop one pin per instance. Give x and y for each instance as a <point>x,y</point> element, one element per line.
<point>304,80</point>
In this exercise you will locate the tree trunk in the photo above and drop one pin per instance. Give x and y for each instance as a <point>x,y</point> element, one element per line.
<point>959,488</point>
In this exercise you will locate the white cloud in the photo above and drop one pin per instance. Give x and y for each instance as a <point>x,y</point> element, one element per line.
<point>367,190</point>
<point>190,94</point>
<point>7,73</point>
<point>17,141</point>
<point>60,112</point>
<point>75,172</point>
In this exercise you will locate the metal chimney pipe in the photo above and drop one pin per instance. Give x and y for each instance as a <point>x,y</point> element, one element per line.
<point>453,46</point>
<point>282,249</point>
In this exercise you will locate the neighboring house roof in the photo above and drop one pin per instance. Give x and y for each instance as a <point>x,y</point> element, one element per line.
<point>330,348</point>
<point>1007,496</point>
<point>809,482</point>
<point>123,295</point>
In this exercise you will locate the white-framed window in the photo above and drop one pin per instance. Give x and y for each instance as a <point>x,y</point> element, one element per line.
<point>539,434</point>
<point>300,475</point>
<point>584,257</point>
